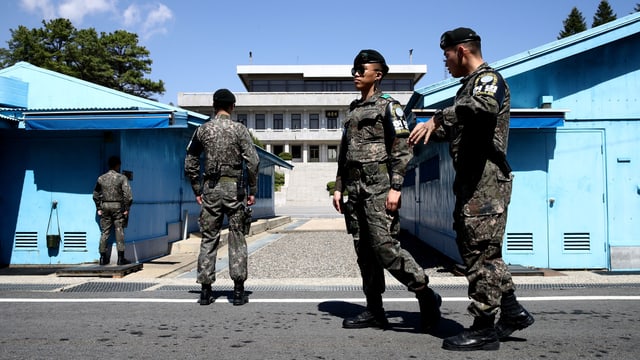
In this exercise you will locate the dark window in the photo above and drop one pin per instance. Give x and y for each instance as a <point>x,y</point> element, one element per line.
<point>242,118</point>
<point>278,149</point>
<point>296,121</point>
<point>277,122</point>
<point>430,169</point>
<point>260,122</point>
<point>314,121</point>
<point>296,152</point>
<point>314,153</point>
<point>332,153</point>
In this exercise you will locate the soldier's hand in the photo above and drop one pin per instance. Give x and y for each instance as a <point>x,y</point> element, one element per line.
<point>199,199</point>
<point>99,212</point>
<point>393,200</point>
<point>251,199</point>
<point>422,130</point>
<point>337,201</point>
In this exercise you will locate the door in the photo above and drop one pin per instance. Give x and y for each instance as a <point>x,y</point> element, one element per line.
<point>576,200</point>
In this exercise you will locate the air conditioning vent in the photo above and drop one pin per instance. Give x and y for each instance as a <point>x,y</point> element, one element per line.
<point>520,242</point>
<point>26,240</point>
<point>576,242</point>
<point>75,241</point>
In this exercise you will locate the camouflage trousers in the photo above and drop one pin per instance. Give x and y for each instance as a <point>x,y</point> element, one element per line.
<point>375,235</point>
<point>111,217</point>
<point>216,202</point>
<point>479,240</point>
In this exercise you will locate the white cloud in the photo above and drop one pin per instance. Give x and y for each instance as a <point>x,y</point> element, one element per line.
<point>76,10</point>
<point>131,15</point>
<point>156,20</point>
<point>44,7</point>
<point>146,19</point>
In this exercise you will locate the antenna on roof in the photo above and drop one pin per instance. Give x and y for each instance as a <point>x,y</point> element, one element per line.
<point>410,56</point>
<point>250,58</point>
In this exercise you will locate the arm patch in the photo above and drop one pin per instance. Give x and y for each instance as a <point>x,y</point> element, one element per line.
<point>396,116</point>
<point>490,84</point>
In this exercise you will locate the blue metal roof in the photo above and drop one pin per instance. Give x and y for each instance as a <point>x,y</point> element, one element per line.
<point>49,95</point>
<point>526,61</point>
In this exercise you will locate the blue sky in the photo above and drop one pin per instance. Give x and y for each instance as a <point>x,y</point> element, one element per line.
<point>196,45</point>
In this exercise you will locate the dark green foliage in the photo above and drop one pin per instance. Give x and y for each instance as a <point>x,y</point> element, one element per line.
<point>114,60</point>
<point>604,14</point>
<point>573,24</point>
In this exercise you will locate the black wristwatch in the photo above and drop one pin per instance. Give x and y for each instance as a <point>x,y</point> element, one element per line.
<point>396,187</point>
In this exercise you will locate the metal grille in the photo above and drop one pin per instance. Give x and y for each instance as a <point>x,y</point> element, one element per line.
<point>30,287</point>
<point>108,287</point>
<point>75,241</point>
<point>520,242</point>
<point>26,240</point>
<point>577,242</point>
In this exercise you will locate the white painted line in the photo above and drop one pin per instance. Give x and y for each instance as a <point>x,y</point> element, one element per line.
<point>302,300</point>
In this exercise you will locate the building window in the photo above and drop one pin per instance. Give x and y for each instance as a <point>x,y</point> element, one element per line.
<point>278,122</point>
<point>296,121</point>
<point>242,119</point>
<point>278,149</point>
<point>332,119</point>
<point>314,121</point>
<point>296,152</point>
<point>332,153</point>
<point>260,122</point>
<point>314,153</point>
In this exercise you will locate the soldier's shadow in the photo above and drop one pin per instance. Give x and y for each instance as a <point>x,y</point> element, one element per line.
<point>401,321</point>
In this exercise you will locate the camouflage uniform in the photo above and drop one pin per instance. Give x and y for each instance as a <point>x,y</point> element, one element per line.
<point>112,195</point>
<point>225,144</point>
<point>477,127</point>
<point>373,155</point>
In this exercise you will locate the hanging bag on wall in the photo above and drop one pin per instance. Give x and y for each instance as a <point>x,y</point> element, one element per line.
<point>53,240</point>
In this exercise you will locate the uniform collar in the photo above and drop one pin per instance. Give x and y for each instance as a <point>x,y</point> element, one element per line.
<point>484,66</point>
<point>223,116</point>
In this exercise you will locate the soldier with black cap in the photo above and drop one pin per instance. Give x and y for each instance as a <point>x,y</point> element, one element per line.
<point>477,128</point>
<point>228,149</point>
<point>371,167</point>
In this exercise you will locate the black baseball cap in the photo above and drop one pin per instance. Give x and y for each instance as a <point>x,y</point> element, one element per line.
<point>458,36</point>
<point>369,56</point>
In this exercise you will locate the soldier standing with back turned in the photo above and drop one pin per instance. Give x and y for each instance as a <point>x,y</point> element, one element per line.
<point>371,166</point>
<point>227,148</point>
<point>113,199</point>
<point>477,129</point>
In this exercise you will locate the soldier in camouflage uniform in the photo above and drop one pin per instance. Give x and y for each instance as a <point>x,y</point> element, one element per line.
<point>227,147</point>
<point>371,168</point>
<point>477,128</point>
<point>113,199</point>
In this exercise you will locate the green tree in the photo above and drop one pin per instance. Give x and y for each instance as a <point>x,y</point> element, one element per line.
<point>573,24</point>
<point>604,14</point>
<point>114,60</point>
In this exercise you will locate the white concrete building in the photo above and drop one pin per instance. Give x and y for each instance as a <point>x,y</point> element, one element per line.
<point>299,109</point>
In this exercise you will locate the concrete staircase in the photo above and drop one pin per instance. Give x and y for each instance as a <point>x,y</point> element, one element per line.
<point>307,183</point>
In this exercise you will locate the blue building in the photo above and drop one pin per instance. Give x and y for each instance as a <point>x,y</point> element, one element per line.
<point>574,147</point>
<point>56,134</point>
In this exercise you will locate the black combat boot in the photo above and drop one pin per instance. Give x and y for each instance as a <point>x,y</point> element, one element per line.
<point>512,316</point>
<point>103,259</point>
<point>206,295</point>
<point>239,296</point>
<point>121,259</point>
<point>480,336</point>
<point>372,316</point>
<point>429,302</point>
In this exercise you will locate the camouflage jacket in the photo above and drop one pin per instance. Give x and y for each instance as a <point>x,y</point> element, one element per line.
<point>477,128</point>
<point>374,130</point>
<point>112,187</point>
<point>226,145</point>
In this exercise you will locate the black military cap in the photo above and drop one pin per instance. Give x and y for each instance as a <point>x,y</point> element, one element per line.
<point>458,36</point>
<point>224,96</point>
<point>371,56</point>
